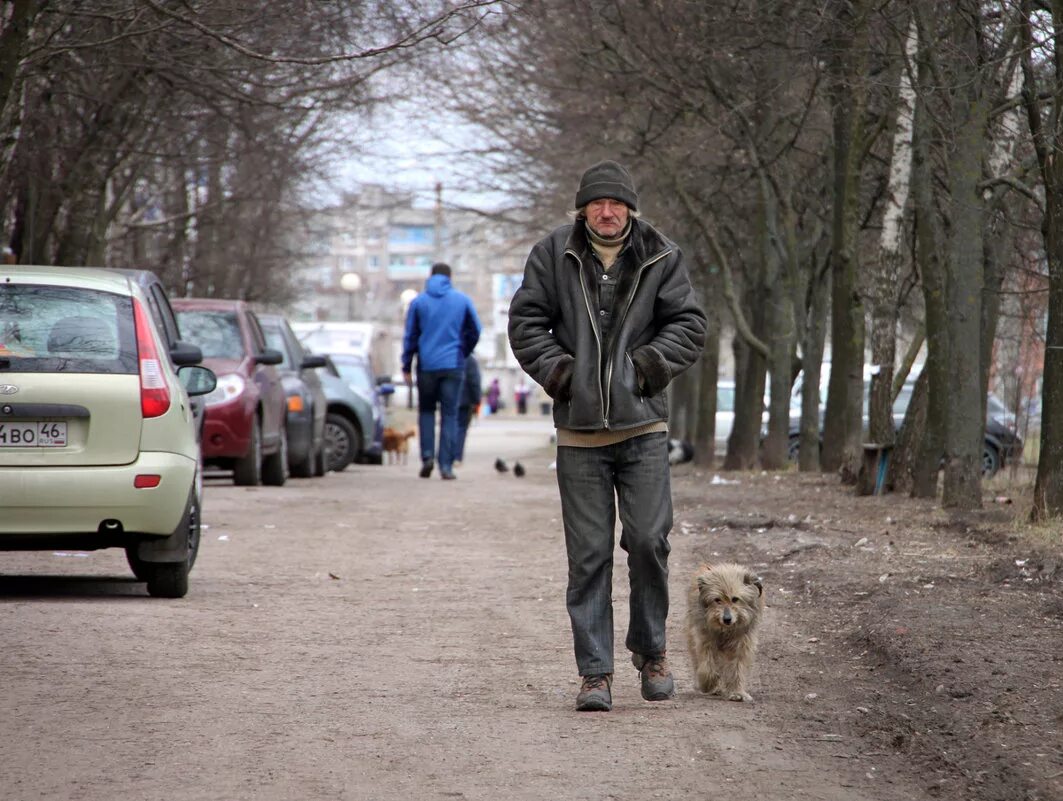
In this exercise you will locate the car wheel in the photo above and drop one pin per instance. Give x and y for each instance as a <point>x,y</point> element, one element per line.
<point>793,449</point>
<point>170,579</point>
<point>344,442</point>
<point>321,460</point>
<point>275,466</point>
<point>990,461</point>
<point>247,472</point>
<point>305,468</point>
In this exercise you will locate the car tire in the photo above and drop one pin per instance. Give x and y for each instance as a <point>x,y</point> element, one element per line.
<point>170,579</point>
<point>247,471</point>
<point>275,466</point>
<point>321,460</point>
<point>990,461</point>
<point>306,467</point>
<point>793,450</point>
<point>344,442</point>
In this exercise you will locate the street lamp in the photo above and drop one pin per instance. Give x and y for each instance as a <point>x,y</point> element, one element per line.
<point>407,297</point>
<point>350,283</point>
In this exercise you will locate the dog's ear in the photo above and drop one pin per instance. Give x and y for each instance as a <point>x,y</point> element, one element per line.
<point>756,581</point>
<point>705,591</point>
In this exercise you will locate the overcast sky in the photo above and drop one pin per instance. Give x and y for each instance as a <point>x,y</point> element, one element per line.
<point>405,150</point>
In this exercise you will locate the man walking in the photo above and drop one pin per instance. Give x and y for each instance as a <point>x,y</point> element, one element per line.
<point>441,330</point>
<point>604,320</point>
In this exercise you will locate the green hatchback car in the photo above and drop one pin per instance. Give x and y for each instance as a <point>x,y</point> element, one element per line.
<point>98,436</point>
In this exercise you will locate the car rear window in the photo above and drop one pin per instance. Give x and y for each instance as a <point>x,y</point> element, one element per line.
<point>355,372</point>
<point>50,329</point>
<point>216,332</point>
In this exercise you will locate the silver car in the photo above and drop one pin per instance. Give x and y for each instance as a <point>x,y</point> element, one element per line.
<point>98,438</point>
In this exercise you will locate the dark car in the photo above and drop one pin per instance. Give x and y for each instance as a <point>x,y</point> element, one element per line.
<point>1001,444</point>
<point>307,405</point>
<point>355,424</point>
<point>244,429</point>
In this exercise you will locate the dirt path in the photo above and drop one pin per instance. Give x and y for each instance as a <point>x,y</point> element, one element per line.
<point>371,635</point>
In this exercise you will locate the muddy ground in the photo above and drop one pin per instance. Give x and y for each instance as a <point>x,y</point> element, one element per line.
<point>906,631</point>
<point>372,635</point>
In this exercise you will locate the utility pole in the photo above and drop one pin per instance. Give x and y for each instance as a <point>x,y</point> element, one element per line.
<point>439,222</point>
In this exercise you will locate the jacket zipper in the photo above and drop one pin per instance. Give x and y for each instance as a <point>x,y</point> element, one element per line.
<point>597,336</point>
<point>620,323</point>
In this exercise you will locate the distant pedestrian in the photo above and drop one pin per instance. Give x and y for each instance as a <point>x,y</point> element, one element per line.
<point>605,318</point>
<point>441,331</point>
<point>494,396</point>
<point>471,394</point>
<point>520,395</point>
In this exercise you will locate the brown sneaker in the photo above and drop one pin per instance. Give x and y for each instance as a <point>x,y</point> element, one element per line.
<point>657,681</point>
<point>594,694</point>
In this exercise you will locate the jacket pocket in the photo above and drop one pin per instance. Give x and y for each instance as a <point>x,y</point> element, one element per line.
<point>631,375</point>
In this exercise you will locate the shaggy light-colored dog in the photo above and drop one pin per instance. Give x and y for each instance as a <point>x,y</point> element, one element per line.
<point>724,606</point>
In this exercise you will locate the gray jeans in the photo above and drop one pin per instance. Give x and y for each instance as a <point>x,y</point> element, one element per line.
<point>634,472</point>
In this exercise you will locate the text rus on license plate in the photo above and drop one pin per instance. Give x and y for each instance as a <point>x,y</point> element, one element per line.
<point>32,434</point>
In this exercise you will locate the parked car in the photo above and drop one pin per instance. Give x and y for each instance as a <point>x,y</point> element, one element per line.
<point>307,405</point>
<point>370,339</point>
<point>354,427</point>
<point>1001,443</point>
<point>98,442</point>
<point>244,430</point>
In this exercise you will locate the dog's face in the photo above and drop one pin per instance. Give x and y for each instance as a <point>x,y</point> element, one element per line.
<point>731,596</point>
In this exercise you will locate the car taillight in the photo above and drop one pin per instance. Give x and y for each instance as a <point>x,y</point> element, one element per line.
<point>154,394</point>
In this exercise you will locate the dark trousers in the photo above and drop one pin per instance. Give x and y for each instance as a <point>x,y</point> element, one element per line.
<point>440,388</point>
<point>464,420</point>
<point>633,476</point>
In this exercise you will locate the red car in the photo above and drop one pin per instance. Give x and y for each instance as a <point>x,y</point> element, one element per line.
<point>244,428</point>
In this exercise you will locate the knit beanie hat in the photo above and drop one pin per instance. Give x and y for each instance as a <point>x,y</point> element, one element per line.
<point>607,179</point>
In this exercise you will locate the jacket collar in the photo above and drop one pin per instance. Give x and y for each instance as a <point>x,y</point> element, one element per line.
<point>644,239</point>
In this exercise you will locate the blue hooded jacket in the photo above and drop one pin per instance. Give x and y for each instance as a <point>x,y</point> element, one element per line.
<point>441,328</point>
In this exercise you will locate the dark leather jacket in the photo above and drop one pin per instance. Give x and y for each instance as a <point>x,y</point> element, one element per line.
<point>658,329</point>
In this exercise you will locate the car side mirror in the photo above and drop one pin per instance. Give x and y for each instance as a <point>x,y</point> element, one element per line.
<point>383,379</point>
<point>183,353</point>
<point>269,356</point>
<point>386,389</point>
<point>313,360</point>
<point>197,380</point>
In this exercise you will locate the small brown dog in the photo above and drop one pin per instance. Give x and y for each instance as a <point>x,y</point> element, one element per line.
<point>397,445</point>
<point>724,605</point>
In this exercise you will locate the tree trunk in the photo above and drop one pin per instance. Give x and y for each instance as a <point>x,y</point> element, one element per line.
<point>812,365</point>
<point>964,268</point>
<point>709,369</point>
<point>13,38</point>
<point>891,258</point>
<point>781,334</point>
<point>1048,487</point>
<point>750,369</point>
<point>842,426</point>
<point>1047,139</point>
<point>923,450</point>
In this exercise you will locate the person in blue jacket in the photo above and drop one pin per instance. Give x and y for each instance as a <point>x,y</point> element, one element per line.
<point>442,329</point>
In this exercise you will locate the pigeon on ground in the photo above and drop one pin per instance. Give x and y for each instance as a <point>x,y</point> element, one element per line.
<point>501,466</point>
<point>518,470</point>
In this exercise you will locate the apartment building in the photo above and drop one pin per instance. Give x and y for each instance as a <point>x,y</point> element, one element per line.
<point>368,255</point>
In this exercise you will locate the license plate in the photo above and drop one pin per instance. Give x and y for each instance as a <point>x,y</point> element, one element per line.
<point>32,434</point>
